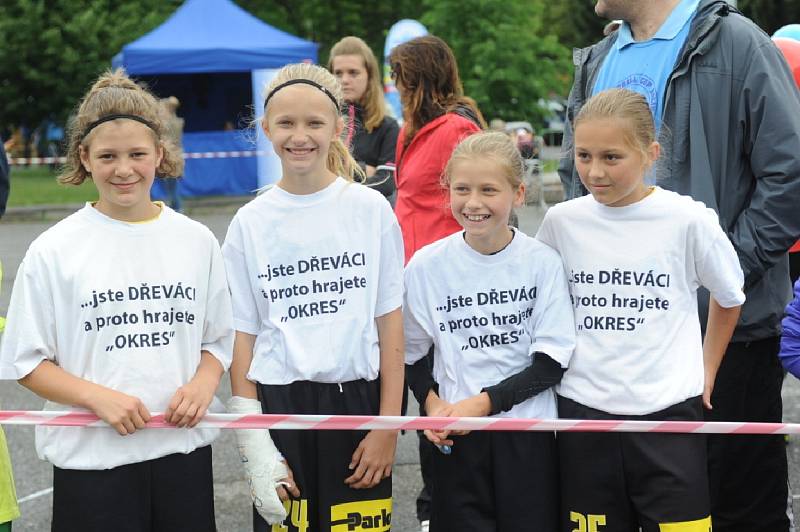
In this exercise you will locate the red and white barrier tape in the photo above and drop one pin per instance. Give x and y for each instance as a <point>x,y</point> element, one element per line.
<point>226,154</point>
<point>323,422</point>
<point>23,161</point>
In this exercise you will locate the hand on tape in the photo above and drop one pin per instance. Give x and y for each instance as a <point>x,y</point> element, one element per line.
<point>263,463</point>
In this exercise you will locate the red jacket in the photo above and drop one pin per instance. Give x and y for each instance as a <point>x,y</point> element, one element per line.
<point>422,206</point>
<point>795,248</point>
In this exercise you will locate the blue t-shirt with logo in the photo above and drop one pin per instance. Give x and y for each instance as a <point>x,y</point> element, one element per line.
<point>645,66</point>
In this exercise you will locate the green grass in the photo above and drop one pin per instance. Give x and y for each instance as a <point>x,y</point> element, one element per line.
<point>37,185</point>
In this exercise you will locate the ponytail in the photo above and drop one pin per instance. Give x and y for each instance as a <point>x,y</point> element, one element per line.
<point>341,162</point>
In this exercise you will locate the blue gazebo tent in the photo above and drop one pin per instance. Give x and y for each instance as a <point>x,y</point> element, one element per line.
<point>212,36</point>
<point>205,55</point>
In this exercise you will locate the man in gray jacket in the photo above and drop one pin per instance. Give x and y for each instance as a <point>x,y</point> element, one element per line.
<point>728,114</point>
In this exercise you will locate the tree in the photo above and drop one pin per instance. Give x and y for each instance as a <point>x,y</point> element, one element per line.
<point>54,49</point>
<point>574,22</point>
<point>507,60</point>
<point>770,15</point>
<point>326,21</point>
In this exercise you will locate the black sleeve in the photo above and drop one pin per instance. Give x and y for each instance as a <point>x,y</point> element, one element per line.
<point>419,377</point>
<point>543,373</point>
<point>383,180</point>
<point>5,182</point>
<point>388,147</point>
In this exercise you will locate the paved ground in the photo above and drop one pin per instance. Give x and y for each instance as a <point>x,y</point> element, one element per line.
<point>34,476</point>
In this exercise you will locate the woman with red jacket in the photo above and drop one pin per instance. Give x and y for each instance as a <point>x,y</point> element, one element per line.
<point>436,116</point>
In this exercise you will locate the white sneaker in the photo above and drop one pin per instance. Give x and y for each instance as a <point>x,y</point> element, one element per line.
<point>424,526</point>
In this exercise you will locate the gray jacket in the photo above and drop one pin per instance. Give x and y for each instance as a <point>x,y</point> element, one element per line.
<point>730,138</point>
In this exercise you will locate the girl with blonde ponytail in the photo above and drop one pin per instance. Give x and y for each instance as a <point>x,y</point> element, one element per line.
<point>315,271</point>
<point>339,161</point>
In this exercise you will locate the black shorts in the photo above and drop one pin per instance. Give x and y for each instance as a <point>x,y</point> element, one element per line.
<point>496,481</point>
<point>622,481</point>
<point>319,459</point>
<point>748,473</point>
<point>174,493</point>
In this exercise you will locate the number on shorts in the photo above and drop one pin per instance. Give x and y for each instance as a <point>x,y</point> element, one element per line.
<point>587,523</point>
<point>297,511</point>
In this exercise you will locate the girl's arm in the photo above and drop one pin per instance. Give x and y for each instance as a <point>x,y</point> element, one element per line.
<point>372,460</point>
<point>790,339</point>
<point>435,406</point>
<point>123,412</point>
<point>190,402</point>
<point>542,374</point>
<point>419,377</point>
<point>719,329</point>
<point>392,366</point>
<point>243,346</point>
<point>258,441</point>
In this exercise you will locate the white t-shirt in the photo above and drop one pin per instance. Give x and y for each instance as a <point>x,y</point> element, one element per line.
<point>308,276</point>
<point>633,273</point>
<point>127,306</point>
<point>486,315</point>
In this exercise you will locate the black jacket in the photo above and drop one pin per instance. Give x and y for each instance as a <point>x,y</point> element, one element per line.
<point>372,149</point>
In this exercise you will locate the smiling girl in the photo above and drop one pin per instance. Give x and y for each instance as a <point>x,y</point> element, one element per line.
<point>315,271</point>
<point>493,304</point>
<point>636,256</point>
<point>115,355</point>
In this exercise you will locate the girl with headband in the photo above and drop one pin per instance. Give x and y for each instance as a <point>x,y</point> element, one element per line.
<point>122,309</point>
<point>315,267</point>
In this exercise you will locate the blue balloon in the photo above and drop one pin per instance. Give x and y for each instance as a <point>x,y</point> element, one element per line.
<point>790,31</point>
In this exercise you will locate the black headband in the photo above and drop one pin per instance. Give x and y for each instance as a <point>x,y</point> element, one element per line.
<point>327,93</point>
<point>108,118</point>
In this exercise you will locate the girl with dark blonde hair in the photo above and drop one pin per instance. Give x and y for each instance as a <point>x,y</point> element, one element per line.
<point>636,255</point>
<point>370,134</point>
<point>122,309</point>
